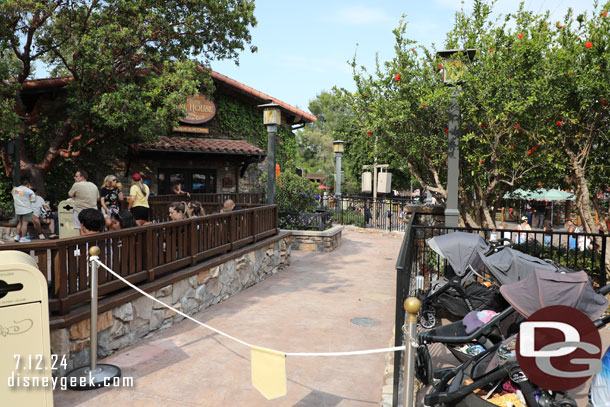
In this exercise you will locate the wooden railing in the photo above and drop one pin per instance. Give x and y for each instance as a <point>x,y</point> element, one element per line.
<point>141,254</point>
<point>246,197</point>
<point>159,210</point>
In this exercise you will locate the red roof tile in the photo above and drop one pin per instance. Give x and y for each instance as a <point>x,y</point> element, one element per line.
<point>200,145</point>
<point>300,115</point>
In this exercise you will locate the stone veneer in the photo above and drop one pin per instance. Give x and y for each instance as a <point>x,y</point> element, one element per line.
<point>131,321</point>
<point>316,241</point>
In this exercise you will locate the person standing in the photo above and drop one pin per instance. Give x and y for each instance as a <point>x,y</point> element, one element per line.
<point>85,195</point>
<point>540,208</point>
<point>138,200</point>
<point>529,209</point>
<point>23,197</point>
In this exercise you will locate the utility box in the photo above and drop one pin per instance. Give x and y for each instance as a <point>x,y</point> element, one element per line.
<point>65,215</point>
<point>384,182</point>
<point>25,345</point>
<point>367,181</point>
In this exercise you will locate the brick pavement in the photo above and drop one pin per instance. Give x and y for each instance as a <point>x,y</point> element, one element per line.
<point>305,308</point>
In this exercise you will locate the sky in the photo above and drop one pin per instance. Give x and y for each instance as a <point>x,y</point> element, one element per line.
<point>304,47</point>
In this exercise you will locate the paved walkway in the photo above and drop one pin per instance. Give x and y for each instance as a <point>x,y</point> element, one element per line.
<point>305,308</point>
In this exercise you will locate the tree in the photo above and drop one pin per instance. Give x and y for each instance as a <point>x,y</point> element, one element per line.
<point>130,64</point>
<point>533,105</point>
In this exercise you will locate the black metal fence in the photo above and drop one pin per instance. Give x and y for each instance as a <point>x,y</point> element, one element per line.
<point>383,213</point>
<point>578,251</point>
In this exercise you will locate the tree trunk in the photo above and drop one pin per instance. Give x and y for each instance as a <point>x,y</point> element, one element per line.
<point>36,176</point>
<point>584,205</point>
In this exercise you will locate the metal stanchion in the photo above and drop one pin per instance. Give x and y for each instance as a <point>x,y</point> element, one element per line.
<point>412,306</point>
<point>96,375</point>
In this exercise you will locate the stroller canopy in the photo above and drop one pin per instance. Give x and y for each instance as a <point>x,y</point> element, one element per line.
<point>544,288</point>
<point>461,250</point>
<point>510,265</point>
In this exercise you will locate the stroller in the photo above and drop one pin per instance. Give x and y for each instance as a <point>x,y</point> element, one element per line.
<point>457,291</point>
<point>466,255</point>
<point>497,366</point>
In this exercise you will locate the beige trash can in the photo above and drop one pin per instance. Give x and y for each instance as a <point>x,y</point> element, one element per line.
<point>65,216</point>
<point>25,345</point>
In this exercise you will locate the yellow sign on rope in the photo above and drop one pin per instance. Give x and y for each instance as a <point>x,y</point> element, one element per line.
<point>268,372</point>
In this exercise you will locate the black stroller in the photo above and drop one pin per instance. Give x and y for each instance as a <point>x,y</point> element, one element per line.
<point>458,292</point>
<point>484,372</point>
<point>506,265</point>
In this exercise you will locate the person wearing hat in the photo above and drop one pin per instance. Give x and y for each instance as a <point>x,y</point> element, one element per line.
<point>524,225</point>
<point>138,200</point>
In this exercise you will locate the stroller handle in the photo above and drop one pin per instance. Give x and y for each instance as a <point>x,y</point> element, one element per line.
<point>450,335</point>
<point>602,322</point>
<point>496,245</point>
<point>604,290</point>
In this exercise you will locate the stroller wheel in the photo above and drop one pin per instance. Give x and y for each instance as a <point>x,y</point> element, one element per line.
<point>427,319</point>
<point>559,399</point>
<point>423,365</point>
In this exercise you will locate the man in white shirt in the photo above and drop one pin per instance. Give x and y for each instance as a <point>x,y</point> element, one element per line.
<point>23,197</point>
<point>85,195</point>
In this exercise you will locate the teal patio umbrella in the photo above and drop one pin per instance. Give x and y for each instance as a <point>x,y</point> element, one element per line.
<point>554,195</point>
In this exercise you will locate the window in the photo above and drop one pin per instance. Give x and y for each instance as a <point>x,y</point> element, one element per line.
<point>191,180</point>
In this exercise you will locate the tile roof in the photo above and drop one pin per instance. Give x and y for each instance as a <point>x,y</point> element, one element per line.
<point>300,115</point>
<point>297,115</point>
<point>200,145</point>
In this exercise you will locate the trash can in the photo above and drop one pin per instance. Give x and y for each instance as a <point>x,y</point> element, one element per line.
<point>65,216</point>
<point>25,346</point>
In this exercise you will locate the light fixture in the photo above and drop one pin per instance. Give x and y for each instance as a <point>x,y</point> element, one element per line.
<point>338,146</point>
<point>272,115</point>
<point>455,64</point>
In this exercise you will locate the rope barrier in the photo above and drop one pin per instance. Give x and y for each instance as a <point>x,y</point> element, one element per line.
<point>351,353</point>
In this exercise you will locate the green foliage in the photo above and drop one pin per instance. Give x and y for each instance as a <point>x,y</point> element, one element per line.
<point>315,152</point>
<point>534,108</point>
<point>132,64</point>
<point>305,221</point>
<point>294,194</point>
<point>240,120</point>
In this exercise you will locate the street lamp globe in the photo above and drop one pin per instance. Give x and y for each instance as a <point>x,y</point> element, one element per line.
<point>338,146</point>
<point>455,64</point>
<point>338,149</point>
<point>272,115</point>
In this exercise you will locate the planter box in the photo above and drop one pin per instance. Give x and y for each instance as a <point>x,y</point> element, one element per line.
<point>315,241</point>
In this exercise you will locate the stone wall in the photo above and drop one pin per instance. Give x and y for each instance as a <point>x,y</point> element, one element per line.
<point>131,321</point>
<point>315,241</point>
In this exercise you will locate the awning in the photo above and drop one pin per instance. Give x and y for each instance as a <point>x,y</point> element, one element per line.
<point>199,145</point>
<point>540,195</point>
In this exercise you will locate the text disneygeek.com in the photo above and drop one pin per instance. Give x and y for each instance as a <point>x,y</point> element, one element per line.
<point>17,380</point>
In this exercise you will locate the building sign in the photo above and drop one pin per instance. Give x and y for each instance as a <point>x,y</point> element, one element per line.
<point>198,110</point>
<point>189,129</point>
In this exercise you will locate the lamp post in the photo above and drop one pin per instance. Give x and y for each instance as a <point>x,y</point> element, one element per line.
<point>453,70</point>
<point>338,149</point>
<point>272,118</point>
